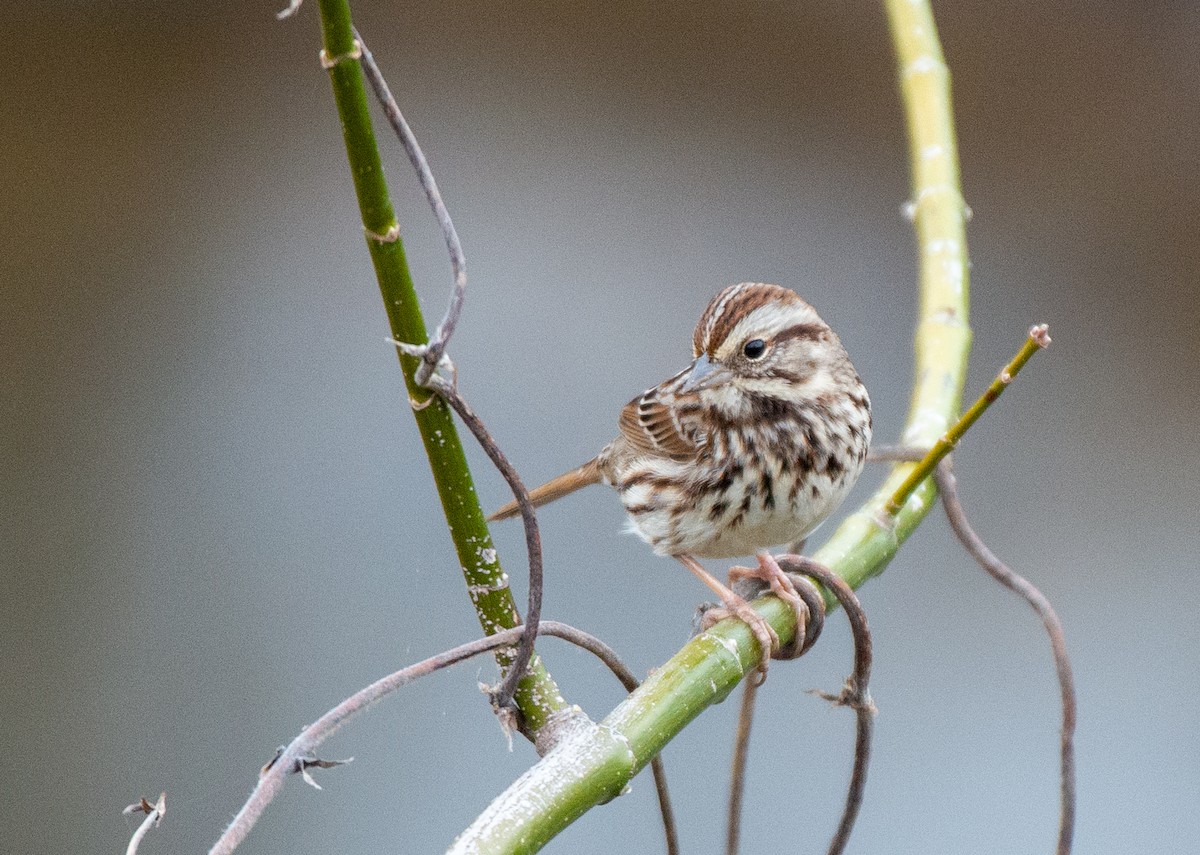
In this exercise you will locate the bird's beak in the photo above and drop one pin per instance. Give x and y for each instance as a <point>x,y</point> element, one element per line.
<point>701,374</point>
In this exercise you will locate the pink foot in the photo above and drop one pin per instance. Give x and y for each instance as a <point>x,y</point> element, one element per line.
<point>734,606</point>
<point>769,571</point>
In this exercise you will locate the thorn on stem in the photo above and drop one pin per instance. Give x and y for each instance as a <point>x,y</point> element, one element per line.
<point>508,715</point>
<point>313,763</point>
<point>302,765</point>
<point>849,696</point>
<point>143,806</point>
<point>154,814</point>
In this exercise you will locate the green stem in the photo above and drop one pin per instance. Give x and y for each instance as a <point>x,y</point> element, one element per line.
<point>1038,340</point>
<point>537,696</point>
<point>585,771</point>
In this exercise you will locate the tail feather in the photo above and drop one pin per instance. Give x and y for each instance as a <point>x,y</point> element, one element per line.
<point>588,473</point>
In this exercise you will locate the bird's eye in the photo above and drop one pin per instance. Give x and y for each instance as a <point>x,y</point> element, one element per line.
<point>755,348</point>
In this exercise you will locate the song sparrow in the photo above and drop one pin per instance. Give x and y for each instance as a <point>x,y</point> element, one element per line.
<point>752,445</point>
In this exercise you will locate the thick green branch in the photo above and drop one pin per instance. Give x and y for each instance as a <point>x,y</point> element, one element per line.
<point>538,697</point>
<point>583,772</point>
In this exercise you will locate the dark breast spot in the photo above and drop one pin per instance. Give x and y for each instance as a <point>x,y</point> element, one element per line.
<point>767,408</point>
<point>646,478</point>
<point>767,487</point>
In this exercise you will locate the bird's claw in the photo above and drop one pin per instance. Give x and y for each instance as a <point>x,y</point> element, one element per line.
<point>768,639</point>
<point>769,571</point>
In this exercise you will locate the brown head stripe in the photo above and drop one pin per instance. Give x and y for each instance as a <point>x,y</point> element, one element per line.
<point>729,307</point>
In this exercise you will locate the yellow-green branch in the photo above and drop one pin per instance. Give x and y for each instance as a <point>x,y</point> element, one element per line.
<point>597,762</point>
<point>1039,339</point>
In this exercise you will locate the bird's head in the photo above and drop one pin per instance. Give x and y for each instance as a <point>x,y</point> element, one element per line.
<point>762,342</point>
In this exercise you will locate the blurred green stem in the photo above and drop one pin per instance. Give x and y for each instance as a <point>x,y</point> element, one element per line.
<point>597,763</point>
<point>537,696</point>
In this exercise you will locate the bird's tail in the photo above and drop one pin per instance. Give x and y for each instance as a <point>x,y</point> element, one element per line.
<point>588,473</point>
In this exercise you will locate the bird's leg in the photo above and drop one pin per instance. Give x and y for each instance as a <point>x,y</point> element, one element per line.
<point>769,571</point>
<point>734,606</point>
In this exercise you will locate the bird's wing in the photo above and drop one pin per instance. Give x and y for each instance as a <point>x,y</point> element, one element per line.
<point>650,426</point>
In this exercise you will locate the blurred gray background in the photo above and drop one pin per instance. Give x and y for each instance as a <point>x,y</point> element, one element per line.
<point>217,520</point>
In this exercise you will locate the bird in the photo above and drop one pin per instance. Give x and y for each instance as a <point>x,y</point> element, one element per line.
<point>752,445</point>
